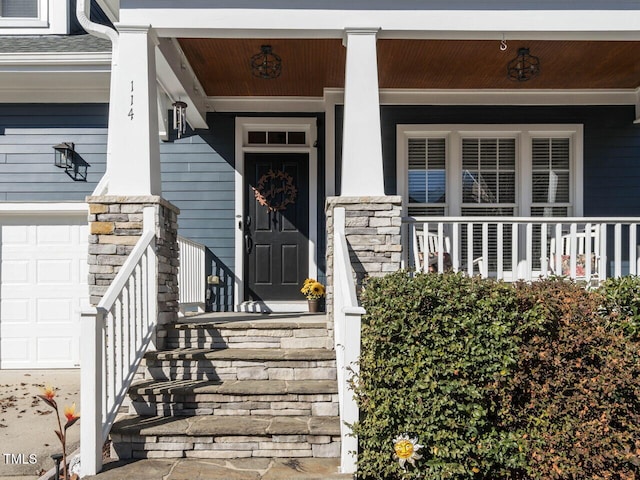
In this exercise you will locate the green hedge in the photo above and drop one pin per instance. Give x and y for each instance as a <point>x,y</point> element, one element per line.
<point>499,381</point>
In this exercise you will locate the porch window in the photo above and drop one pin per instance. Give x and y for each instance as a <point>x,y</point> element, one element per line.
<point>491,171</point>
<point>19,8</point>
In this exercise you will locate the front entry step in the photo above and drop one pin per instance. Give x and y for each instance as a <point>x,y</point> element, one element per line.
<point>241,364</point>
<point>236,397</point>
<point>240,436</point>
<point>232,386</point>
<point>225,469</point>
<point>281,332</point>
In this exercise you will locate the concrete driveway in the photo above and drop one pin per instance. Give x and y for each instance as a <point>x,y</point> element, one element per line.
<point>27,424</point>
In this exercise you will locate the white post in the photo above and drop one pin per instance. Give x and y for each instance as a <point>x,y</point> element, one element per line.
<point>133,154</point>
<point>362,138</point>
<point>149,225</point>
<point>91,392</point>
<point>347,320</point>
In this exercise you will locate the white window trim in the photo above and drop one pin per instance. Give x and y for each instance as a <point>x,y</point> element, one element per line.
<point>523,133</point>
<point>243,126</point>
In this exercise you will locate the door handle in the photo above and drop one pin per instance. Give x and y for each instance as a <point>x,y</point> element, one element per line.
<point>248,243</point>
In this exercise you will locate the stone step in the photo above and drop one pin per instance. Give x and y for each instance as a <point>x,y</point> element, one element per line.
<point>241,364</point>
<point>260,333</point>
<point>235,397</point>
<point>226,437</point>
<point>225,469</point>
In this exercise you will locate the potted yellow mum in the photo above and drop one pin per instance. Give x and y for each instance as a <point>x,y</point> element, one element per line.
<point>313,291</point>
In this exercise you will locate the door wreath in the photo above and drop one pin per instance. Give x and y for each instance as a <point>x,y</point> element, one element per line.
<point>275,190</point>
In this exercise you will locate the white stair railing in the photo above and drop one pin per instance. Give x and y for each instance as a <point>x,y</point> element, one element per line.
<point>115,335</point>
<point>524,248</point>
<point>347,317</point>
<point>191,276</point>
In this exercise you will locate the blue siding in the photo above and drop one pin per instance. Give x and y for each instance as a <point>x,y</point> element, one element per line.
<point>611,145</point>
<point>27,135</point>
<point>198,177</point>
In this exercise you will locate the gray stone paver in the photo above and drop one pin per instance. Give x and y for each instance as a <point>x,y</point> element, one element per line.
<point>225,469</point>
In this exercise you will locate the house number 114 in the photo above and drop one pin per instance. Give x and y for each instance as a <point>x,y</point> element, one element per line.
<point>130,114</point>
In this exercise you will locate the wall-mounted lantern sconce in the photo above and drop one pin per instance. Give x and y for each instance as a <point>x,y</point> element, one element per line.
<point>66,157</point>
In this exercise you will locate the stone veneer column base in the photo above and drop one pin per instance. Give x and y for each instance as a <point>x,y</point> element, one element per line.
<point>372,228</point>
<point>115,225</point>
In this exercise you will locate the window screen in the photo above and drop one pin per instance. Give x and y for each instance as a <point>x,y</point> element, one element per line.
<point>19,8</point>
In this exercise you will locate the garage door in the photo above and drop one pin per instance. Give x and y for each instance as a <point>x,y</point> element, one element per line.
<point>43,285</point>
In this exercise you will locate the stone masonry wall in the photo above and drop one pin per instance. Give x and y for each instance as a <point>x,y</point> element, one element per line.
<point>115,225</point>
<point>372,228</point>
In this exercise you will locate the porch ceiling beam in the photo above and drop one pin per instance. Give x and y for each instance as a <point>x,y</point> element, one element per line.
<point>177,79</point>
<point>471,23</point>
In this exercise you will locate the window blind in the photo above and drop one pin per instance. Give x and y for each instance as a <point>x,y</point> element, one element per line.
<point>550,174</point>
<point>427,176</point>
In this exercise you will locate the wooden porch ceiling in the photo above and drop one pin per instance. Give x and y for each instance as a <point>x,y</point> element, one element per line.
<point>309,65</point>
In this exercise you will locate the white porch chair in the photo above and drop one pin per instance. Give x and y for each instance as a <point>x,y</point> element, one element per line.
<point>428,251</point>
<point>562,255</point>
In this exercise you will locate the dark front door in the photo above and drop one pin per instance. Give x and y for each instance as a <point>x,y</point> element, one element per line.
<point>276,225</point>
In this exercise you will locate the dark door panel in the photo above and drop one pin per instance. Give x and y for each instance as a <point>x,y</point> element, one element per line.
<point>276,225</point>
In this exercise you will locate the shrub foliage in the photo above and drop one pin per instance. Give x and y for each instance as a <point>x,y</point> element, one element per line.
<point>500,381</point>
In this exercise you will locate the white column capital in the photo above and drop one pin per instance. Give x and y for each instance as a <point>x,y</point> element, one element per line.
<point>124,28</point>
<point>358,31</point>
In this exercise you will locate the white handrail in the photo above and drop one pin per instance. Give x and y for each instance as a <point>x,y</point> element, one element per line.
<point>116,335</point>
<point>191,274</point>
<point>525,248</point>
<point>347,320</point>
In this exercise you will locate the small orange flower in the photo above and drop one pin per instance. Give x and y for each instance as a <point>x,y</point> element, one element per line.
<point>70,413</point>
<point>49,392</point>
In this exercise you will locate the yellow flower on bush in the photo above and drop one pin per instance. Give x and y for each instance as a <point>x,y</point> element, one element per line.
<point>405,450</point>
<point>312,289</point>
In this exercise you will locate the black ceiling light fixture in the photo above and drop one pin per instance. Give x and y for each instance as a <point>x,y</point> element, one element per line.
<point>524,67</point>
<point>266,64</point>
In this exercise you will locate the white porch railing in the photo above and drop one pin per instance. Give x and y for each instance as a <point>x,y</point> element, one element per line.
<point>347,319</point>
<point>191,276</point>
<point>524,248</point>
<point>115,336</point>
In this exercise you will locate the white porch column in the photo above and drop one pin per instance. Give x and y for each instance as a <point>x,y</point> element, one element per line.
<point>362,137</point>
<point>133,156</point>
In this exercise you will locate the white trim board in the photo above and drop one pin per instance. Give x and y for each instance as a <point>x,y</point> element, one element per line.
<point>402,20</point>
<point>35,208</point>
<point>335,96</point>
<point>243,125</point>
